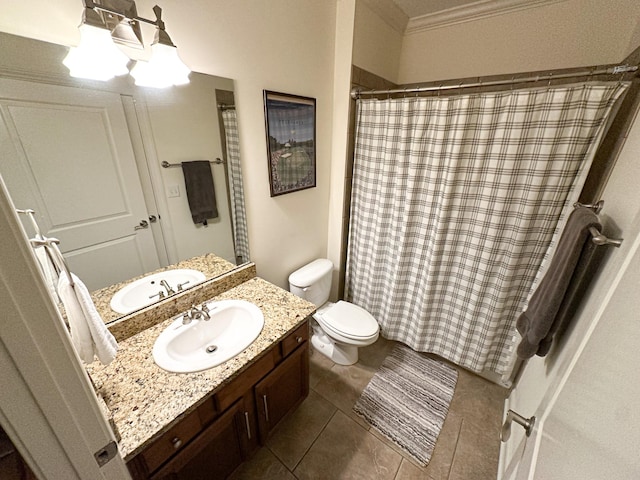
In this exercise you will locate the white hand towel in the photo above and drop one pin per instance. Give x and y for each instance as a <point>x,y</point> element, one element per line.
<point>48,270</point>
<point>89,334</point>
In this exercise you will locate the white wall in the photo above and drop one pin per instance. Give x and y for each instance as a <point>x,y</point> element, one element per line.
<point>281,45</point>
<point>566,34</point>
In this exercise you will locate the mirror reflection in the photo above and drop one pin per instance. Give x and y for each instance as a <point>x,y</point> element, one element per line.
<point>86,156</point>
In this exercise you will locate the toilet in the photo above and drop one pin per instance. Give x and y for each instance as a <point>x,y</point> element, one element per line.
<point>339,328</point>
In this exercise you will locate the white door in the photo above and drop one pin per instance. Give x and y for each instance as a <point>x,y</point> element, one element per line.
<point>588,425</point>
<point>67,154</point>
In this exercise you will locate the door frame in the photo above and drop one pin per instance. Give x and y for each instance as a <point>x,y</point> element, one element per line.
<point>49,408</point>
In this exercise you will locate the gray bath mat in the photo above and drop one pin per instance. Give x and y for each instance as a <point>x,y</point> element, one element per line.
<point>408,399</point>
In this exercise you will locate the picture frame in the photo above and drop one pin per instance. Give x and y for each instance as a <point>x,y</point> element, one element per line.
<point>290,122</point>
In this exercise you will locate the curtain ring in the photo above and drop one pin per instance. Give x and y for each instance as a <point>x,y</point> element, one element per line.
<point>513,81</point>
<point>549,83</point>
<point>439,88</point>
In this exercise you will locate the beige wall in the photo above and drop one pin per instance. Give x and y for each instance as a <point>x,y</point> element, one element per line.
<point>560,35</point>
<point>345,15</point>
<point>376,44</point>
<point>281,45</point>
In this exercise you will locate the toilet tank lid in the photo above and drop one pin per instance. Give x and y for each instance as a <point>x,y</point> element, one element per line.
<point>310,273</point>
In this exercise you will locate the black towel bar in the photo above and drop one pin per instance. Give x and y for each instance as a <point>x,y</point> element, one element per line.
<point>165,164</point>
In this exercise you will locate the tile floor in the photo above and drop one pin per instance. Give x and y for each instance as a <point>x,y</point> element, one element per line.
<point>324,439</point>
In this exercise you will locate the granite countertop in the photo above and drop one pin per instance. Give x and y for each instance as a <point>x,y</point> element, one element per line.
<point>145,400</point>
<point>210,264</point>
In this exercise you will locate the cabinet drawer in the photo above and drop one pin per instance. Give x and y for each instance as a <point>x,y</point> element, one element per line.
<point>245,380</point>
<point>295,338</point>
<point>171,442</point>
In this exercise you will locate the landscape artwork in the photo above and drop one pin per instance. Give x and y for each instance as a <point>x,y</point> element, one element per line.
<point>290,123</point>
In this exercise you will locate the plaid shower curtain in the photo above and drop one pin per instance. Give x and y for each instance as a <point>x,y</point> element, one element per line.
<point>455,202</point>
<point>236,189</point>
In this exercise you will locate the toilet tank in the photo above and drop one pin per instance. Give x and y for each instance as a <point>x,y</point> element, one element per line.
<point>313,281</point>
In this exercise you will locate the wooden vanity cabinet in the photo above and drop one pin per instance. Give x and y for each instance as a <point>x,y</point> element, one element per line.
<point>215,453</point>
<point>231,424</point>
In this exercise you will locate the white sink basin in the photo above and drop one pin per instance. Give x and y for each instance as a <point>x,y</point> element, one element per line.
<point>202,344</point>
<point>136,295</point>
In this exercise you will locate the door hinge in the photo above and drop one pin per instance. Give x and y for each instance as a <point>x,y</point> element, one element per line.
<point>106,453</point>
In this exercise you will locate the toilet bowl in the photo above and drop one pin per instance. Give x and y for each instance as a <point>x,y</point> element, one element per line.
<point>339,329</point>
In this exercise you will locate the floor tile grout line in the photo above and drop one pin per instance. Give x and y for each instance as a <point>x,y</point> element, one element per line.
<point>398,469</point>
<point>314,441</point>
<point>455,449</point>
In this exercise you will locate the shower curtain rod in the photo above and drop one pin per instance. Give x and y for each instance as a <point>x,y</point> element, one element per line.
<point>356,93</point>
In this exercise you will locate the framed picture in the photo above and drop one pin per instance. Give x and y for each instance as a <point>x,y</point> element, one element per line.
<point>291,141</point>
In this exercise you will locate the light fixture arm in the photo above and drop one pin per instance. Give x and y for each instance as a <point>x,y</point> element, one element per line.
<point>158,11</point>
<point>90,16</point>
<point>161,34</point>
<point>135,18</point>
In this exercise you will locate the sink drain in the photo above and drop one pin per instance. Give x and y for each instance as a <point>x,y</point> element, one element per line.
<point>211,348</point>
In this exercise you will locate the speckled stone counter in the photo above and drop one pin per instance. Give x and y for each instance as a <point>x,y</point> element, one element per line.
<point>211,265</point>
<point>145,400</point>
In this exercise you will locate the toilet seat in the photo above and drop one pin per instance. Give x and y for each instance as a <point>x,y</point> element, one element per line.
<point>349,321</point>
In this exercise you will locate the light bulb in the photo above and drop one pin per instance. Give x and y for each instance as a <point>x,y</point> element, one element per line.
<point>97,57</point>
<point>164,68</point>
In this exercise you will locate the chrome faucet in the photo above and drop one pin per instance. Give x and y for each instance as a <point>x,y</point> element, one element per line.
<point>196,313</point>
<point>160,295</point>
<point>170,291</point>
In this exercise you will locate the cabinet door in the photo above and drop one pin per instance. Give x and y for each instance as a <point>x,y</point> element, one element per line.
<point>249,435</point>
<point>215,453</point>
<point>282,390</point>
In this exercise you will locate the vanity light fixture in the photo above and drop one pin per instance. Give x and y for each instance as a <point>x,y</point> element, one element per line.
<point>97,57</point>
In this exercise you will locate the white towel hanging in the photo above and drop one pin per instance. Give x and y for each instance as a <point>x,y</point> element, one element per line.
<point>89,334</point>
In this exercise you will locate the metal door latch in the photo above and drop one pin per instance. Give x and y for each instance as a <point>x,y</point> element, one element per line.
<point>142,225</point>
<point>106,453</point>
<point>526,423</point>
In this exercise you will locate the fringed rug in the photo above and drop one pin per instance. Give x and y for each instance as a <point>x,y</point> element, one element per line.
<point>408,399</point>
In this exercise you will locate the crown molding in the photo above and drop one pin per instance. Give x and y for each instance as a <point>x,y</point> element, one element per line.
<point>389,12</point>
<point>471,12</point>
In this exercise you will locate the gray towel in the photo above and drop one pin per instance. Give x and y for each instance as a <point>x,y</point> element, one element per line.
<point>201,196</point>
<point>537,322</point>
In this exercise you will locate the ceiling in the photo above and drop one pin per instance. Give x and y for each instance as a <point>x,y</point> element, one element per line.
<point>411,16</point>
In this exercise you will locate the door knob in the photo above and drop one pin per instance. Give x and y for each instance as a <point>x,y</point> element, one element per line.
<point>526,423</point>
<point>142,225</point>
<point>153,218</point>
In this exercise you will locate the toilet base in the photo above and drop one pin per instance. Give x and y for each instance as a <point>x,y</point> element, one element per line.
<point>339,353</point>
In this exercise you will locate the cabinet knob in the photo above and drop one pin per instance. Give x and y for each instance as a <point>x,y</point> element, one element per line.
<point>299,339</point>
<point>176,442</point>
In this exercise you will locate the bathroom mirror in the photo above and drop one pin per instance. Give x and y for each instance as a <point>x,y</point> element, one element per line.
<point>87,155</point>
